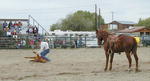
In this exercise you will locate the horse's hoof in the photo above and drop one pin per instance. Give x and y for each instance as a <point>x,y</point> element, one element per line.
<point>129,70</point>
<point>137,70</point>
<point>110,69</point>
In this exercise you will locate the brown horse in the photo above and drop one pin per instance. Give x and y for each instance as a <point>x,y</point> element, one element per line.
<point>117,44</point>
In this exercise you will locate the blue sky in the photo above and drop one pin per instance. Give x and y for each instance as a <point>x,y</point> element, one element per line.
<point>48,12</point>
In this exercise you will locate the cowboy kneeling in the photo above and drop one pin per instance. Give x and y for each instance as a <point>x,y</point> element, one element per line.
<point>44,49</point>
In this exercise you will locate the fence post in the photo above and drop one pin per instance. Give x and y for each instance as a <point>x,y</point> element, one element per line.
<point>70,39</point>
<point>85,41</point>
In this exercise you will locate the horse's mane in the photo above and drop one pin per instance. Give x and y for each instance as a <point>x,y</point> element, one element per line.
<point>105,34</point>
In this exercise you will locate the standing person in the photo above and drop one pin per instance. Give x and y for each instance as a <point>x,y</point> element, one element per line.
<point>30,30</point>
<point>14,33</point>
<point>18,44</point>
<point>23,43</point>
<point>35,30</point>
<point>44,49</point>
<point>4,25</point>
<point>76,42</point>
<point>7,33</point>
<point>19,24</point>
<point>31,42</point>
<point>10,24</point>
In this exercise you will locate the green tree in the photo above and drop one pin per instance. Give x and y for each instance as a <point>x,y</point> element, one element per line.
<point>144,22</point>
<point>55,26</point>
<point>1,33</point>
<point>78,21</point>
<point>1,30</point>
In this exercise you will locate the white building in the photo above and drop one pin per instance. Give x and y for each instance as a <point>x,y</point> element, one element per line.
<point>72,33</point>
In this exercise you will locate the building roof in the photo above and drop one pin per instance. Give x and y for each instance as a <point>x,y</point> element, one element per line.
<point>14,19</point>
<point>131,30</point>
<point>124,22</point>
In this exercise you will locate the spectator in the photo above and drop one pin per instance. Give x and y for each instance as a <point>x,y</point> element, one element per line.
<point>35,30</point>
<point>6,29</point>
<point>14,33</point>
<point>10,24</point>
<point>15,25</point>
<point>31,43</point>
<point>19,24</point>
<point>17,30</point>
<point>76,42</point>
<point>39,42</point>
<point>36,43</point>
<point>4,25</point>
<point>18,44</point>
<point>30,30</point>
<point>23,43</point>
<point>12,29</point>
<point>8,33</point>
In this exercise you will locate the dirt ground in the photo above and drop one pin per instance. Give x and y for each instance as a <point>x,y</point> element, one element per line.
<point>85,64</point>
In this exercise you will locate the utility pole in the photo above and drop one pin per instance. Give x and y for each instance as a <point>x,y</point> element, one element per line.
<point>99,19</point>
<point>112,16</point>
<point>112,20</point>
<point>96,27</point>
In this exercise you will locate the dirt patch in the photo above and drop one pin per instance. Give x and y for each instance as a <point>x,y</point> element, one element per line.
<point>86,64</point>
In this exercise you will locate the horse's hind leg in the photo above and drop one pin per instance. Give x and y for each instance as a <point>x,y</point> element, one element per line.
<point>129,60</point>
<point>107,59</point>
<point>111,60</point>
<point>136,60</point>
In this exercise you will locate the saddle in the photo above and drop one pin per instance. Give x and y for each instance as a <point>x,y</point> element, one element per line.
<point>113,38</point>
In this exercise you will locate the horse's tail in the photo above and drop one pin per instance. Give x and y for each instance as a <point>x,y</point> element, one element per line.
<point>134,47</point>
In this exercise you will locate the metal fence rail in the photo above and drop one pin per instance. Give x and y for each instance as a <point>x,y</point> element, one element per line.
<point>54,42</point>
<point>72,42</point>
<point>26,41</point>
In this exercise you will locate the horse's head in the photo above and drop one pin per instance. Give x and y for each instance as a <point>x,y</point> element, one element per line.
<point>101,35</point>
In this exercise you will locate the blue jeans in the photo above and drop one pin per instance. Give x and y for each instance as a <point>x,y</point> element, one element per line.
<point>44,53</point>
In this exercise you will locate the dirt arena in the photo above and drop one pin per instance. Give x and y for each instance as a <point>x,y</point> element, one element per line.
<point>86,64</point>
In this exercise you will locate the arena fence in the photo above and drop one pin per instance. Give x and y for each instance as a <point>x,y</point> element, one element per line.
<point>54,42</point>
<point>31,41</point>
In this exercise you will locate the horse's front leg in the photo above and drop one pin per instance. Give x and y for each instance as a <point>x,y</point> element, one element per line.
<point>111,60</point>
<point>107,59</point>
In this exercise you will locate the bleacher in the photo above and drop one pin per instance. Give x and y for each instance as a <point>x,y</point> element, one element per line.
<point>11,41</point>
<point>7,42</point>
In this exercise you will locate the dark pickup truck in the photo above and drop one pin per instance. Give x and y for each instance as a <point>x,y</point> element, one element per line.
<point>145,40</point>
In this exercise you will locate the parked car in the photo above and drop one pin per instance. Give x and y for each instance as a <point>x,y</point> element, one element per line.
<point>145,40</point>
